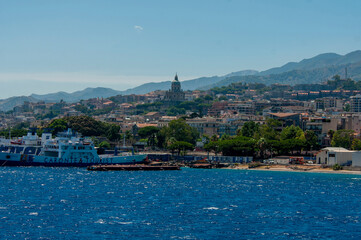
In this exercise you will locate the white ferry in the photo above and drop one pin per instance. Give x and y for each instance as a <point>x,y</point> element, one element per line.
<point>66,150</point>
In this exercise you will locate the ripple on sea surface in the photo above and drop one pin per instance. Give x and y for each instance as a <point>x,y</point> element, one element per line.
<point>72,203</point>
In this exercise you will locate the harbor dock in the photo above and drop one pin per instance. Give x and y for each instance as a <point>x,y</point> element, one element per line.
<point>136,167</point>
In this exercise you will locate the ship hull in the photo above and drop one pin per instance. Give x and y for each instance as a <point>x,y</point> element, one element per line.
<point>13,159</point>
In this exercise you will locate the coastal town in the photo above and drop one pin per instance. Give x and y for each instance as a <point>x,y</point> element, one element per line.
<point>158,120</point>
<point>319,123</point>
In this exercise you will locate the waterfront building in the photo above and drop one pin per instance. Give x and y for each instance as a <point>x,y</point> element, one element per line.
<point>334,155</point>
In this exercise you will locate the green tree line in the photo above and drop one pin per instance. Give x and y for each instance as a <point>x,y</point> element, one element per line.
<point>263,141</point>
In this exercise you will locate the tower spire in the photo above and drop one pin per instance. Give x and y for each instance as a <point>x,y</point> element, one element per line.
<point>176,77</point>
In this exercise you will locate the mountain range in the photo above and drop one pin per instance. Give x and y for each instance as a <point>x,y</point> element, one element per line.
<point>313,70</point>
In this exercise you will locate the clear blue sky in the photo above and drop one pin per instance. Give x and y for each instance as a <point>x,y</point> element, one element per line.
<point>51,45</point>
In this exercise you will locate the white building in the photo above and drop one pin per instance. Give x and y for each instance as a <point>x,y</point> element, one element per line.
<point>356,159</point>
<point>334,155</point>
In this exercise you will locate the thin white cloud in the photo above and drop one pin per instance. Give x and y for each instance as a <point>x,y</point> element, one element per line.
<point>138,28</point>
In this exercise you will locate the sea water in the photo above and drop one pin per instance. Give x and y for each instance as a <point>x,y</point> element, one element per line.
<point>73,203</point>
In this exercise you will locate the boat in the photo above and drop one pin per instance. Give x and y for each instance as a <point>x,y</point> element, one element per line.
<point>68,149</point>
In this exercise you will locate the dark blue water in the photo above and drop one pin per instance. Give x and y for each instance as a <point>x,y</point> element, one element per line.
<point>72,203</point>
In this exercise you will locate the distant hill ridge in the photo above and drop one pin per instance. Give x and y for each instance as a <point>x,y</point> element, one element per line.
<point>186,85</point>
<point>312,70</point>
<point>78,95</point>
<point>295,76</point>
<point>319,61</point>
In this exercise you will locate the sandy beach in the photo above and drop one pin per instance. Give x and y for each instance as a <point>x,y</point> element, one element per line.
<point>297,168</point>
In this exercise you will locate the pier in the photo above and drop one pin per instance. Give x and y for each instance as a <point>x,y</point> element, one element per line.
<point>137,167</point>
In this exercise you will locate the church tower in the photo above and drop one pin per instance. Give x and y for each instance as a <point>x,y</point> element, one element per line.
<point>176,87</point>
<point>175,94</point>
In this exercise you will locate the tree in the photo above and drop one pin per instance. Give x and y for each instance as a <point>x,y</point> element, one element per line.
<point>113,132</point>
<point>188,105</point>
<point>239,146</point>
<point>330,133</point>
<point>203,108</point>
<point>208,98</point>
<point>214,138</point>
<point>174,111</point>
<point>212,146</point>
<point>356,144</point>
<point>160,140</point>
<point>194,115</point>
<point>129,137</point>
<point>268,130</point>
<point>181,146</point>
<point>225,137</point>
<point>291,132</point>
<point>58,125</point>
<point>150,133</point>
<point>81,108</point>
<point>311,140</point>
<point>146,132</point>
<point>13,132</point>
<point>180,131</point>
<point>261,147</point>
<point>249,129</point>
<point>222,98</point>
<point>342,138</point>
<point>86,125</point>
<point>104,144</point>
<point>22,125</point>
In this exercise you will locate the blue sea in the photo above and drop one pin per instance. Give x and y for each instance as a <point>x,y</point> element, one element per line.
<point>73,203</point>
